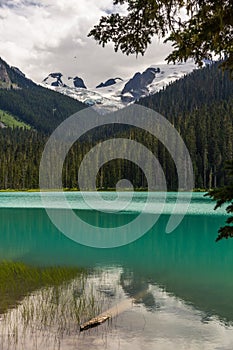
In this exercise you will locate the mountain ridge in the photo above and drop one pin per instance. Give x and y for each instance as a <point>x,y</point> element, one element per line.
<point>199,106</point>
<point>33,104</point>
<point>116,93</point>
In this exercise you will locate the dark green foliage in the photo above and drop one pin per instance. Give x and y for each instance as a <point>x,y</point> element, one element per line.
<point>200,106</point>
<point>20,158</point>
<point>202,87</point>
<point>200,110</point>
<point>207,28</point>
<point>222,196</point>
<point>41,108</point>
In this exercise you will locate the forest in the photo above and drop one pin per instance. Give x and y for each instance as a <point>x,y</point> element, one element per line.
<point>200,106</point>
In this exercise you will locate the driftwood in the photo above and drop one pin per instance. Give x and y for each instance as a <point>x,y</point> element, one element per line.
<point>112,312</point>
<point>94,322</point>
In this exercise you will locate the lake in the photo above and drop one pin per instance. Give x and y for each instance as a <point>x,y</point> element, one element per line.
<point>171,291</point>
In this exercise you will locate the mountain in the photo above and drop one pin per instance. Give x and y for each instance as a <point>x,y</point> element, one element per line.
<point>108,82</point>
<point>116,93</point>
<point>5,82</point>
<point>57,79</point>
<point>78,83</point>
<point>138,86</point>
<point>199,105</point>
<point>202,87</point>
<point>11,78</point>
<point>34,105</point>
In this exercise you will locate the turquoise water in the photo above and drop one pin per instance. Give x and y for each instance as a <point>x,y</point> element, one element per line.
<point>186,277</point>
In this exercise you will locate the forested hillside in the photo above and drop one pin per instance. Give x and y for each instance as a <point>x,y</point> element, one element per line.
<point>200,106</point>
<point>41,108</point>
<point>20,158</point>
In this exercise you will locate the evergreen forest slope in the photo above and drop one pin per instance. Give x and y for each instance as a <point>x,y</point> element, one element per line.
<point>199,105</point>
<point>32,104</point>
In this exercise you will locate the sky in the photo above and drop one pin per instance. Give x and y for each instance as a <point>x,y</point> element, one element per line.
<point>44,36</point>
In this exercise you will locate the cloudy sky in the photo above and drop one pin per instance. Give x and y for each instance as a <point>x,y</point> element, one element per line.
<point>44,36</point>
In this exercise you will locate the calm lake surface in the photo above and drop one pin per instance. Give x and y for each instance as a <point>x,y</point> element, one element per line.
<point>177,288</point>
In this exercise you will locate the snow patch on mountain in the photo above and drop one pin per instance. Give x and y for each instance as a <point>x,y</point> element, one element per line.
<point>116,93</point>
<point>170,73</point>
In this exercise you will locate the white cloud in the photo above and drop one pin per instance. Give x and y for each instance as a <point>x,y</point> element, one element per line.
<point>45,35</point>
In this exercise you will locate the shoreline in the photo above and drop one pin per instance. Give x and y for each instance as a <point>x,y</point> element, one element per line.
<point>99,190</point>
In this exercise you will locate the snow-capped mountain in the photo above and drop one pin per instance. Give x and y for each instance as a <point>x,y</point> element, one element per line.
<point>116,93</point>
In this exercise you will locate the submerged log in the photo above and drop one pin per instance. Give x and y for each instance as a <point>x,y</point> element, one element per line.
<point>112,312</point>
<point>94,322</point>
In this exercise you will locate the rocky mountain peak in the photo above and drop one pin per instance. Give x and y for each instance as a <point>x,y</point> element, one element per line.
<point>108,82</point>
<point>138,85</point>
<point>57,79</point>
<point>5,82</point>
<point>79,83</point>
<point>13,78</point>
<point>18,71</point>
<point>116,93</point>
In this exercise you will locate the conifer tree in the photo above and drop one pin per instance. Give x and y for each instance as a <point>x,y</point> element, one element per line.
<point>221,196</point>
<point>205,29</point>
